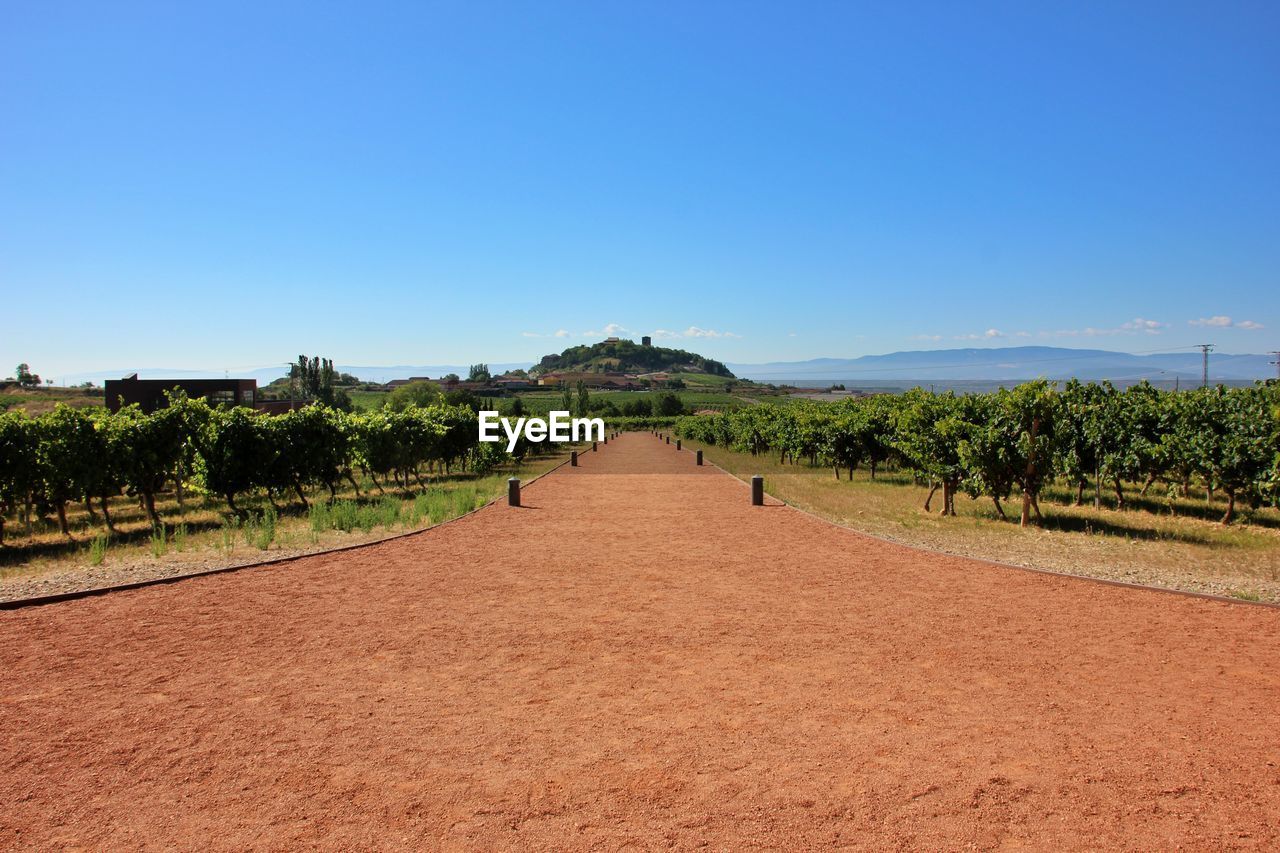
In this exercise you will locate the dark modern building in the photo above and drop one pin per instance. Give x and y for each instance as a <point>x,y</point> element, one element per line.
<point>646,341</point>
<point>149,394</point>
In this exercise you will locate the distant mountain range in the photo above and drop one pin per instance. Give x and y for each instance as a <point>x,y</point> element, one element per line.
<point>951,365</point>
<point>1011,364</point>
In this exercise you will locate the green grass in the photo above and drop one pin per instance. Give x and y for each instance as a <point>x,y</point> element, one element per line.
<point>1176,543</point>
<point>366,400</point>
<point>98,550</point>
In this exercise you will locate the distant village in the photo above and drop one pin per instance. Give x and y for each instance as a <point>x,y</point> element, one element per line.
<point>149,394</point>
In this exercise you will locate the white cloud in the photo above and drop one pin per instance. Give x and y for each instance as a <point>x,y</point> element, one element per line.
<point>926,337</point>
<point>694,332</point>
<point>1135,326</point>
<point>989,334</point>
<point>558,333</point>
<point>1138,324</point>
<point>609,331</point>
<point>1222,321</point>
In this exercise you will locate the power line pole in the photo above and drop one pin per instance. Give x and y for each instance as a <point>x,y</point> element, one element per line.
<point>1205,349</point>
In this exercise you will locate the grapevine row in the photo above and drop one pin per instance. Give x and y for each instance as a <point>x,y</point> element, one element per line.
<point>1016,441</point>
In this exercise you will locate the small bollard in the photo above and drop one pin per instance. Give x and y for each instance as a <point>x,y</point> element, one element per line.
<point>573,459</point>
<point>513,491</point>
<point>757,490</point>
<point>699,457</point>
<point>593,447</point>
<point>668,438</point>
<point>606,439</point>
<point>678,443</point>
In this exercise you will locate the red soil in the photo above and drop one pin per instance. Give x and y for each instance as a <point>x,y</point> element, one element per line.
<point>638,657</point>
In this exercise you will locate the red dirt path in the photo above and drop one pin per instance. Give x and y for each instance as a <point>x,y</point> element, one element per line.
<point>639,657</point>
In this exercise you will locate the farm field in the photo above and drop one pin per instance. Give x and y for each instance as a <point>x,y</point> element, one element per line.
<point>639,657</point>
<point>201,534</point>
<point>1189,551</point>
<point>38,401</point>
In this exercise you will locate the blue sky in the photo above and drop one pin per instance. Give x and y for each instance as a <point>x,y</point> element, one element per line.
<point>227,186</point>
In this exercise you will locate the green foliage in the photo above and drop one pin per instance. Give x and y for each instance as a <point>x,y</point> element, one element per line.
<point>314,379</point>
<point>98,549</point>
<point>25,377</point>
<point>413,394</point>
<point>19,462</point>
<point>628,356</point>
<point>1022,439</point>
<point>667,406</point>
<point>159,544</point>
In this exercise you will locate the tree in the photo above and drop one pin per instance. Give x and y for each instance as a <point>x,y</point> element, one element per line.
<point>638,407</point>
<point>929,431</point>
<point>313,379</point>
<point>1018,439</point>
<point>1234,441</point>
<point>413,394</point>
<point>479,373</point>
<point>235,451</point>
<point>583,398</point>
<point>566,398</point>
<point>1086,434</point>
<point>69,454</point>
<point>19,465</point>
<point>153,446</point>
<point>667,405</point>
<point>26,378</point>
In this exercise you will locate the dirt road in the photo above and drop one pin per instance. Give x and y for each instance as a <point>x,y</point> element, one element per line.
<point>639,658</point>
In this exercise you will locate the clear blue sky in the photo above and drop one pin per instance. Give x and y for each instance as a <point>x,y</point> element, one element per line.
<point>418,183</point>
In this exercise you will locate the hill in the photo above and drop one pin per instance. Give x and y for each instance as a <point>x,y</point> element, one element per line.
<point>1014,363</point>
<point>625,356</point>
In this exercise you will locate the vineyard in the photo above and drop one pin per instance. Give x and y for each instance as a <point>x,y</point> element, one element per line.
<point>1017,442</point>
<point>91,456</point>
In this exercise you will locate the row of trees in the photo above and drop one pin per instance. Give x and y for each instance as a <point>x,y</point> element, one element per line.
<point>1017,441</point>
<point>91,456</point>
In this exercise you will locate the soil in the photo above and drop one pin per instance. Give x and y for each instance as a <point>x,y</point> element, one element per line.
<point>639,658</point>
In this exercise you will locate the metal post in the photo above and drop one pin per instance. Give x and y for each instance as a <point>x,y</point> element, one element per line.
<point>513,491</point>
<point>573,459</point>
<point>593,447</point>
<point>699,457</point>
<point>757,490</point>
<point>678,444</point>
<point>606,439</point>
<point>668,439</point>
<point>1205,349</point>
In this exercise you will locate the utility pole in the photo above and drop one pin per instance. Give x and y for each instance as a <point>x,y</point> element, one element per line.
<point>1205,349</point>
